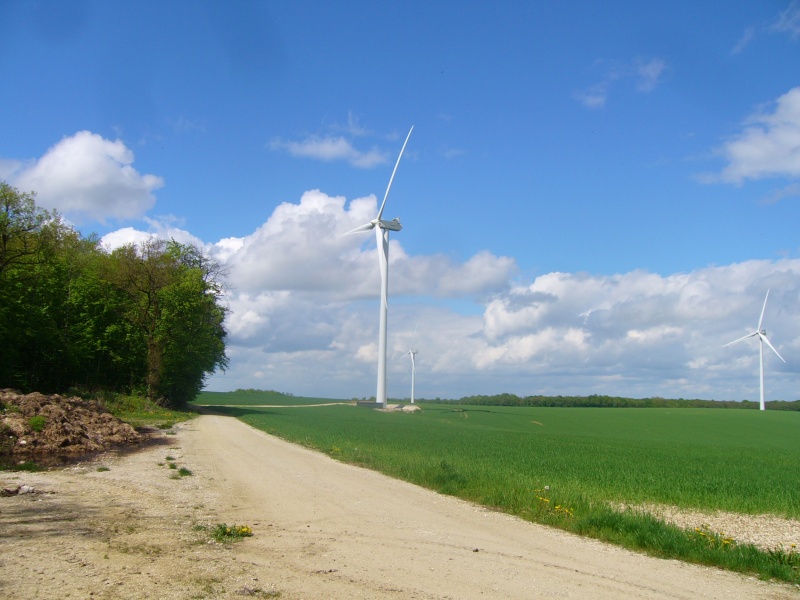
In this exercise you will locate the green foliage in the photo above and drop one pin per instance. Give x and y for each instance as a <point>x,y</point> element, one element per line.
<point>140,411</point>
<point>143,318</point>
<point>37,422</point>
<point>223,533</point>
<point>26,466</point>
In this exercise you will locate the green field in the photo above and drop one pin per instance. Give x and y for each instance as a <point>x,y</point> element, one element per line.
<point>741,461</point>
<point>256,398</point>
<point>569,467</point>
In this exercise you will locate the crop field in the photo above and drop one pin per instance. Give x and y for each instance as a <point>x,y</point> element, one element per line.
<point>255,398</point>
<point>568,467</point>
<point>734,460</point>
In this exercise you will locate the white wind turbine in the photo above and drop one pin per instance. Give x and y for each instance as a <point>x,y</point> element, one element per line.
<point>762,339</point>
<point>412,353</point>
<point>382,229</point>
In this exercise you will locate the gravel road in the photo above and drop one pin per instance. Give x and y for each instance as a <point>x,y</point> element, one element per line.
<point>322,529</point>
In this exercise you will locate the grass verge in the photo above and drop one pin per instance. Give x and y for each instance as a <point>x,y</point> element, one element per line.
<point>139,411</point>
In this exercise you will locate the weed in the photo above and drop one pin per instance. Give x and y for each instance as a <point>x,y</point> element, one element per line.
<point>184,472</point>
<point>789,558</point>
<point>230,533</point>
<point>102,469</point>
<point>27,466</point>
<point>37,423</point>
<point>246,590</point>
<point>712,539</point>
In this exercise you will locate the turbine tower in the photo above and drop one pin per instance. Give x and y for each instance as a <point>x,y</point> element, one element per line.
<point>762,339</point>
<point>412,353</point>
<point>382,229</point>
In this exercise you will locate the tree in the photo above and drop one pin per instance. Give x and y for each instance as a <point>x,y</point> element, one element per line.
<point>25,229</point>
<point>191,329</point>
<point>146,317</point>
<point>174,293</point>
<point>31,292</point>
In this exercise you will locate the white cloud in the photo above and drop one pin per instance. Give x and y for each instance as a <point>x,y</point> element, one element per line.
<point>788,21</point>
<point>769,145</point>
<point>649,73</point>
<point>645,73</point>
<point>315,257</point>
<point>87,177</point>
<point>744,41</point>
<point>164,229</point>
<point>331,149</point>
<point>643,326</point>
<point>304,317</point>
<point>636,334</point>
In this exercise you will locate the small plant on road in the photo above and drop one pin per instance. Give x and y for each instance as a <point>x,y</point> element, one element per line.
<point>230,533</point>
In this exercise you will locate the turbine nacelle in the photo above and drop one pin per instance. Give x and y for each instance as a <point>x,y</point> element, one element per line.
<point>393,225</point>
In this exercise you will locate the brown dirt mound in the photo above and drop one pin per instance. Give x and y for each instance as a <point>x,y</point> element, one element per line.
<point>37,424</point>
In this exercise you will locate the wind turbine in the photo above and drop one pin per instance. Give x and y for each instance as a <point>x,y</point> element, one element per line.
<point>412,353</point>
<point>382,229</point>
<point>762,339</point>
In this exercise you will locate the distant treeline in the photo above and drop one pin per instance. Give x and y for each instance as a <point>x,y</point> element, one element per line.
<point>257,391</point>
<point>600,401</point>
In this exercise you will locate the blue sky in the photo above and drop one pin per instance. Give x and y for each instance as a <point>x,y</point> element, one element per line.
<point>595,198</point>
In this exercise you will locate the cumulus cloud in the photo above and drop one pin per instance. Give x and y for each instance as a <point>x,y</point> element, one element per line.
<point>304,304</point>
<point>87,177</point>
<point>636,334</point>
<point>164,228</point>
<point>768,146</point>
<point>642,325</point>
<point>315,256</point>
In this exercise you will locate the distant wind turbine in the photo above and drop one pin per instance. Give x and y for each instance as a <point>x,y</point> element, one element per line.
<point>762,339</point>
<point>412,353</point>
<point>382,229</point>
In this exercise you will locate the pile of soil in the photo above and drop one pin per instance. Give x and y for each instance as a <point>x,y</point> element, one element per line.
<point>33,425</point>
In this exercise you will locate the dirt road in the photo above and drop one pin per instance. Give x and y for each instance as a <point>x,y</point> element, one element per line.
<point>322,529</point>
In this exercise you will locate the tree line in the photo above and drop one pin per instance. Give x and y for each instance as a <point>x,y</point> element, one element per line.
<point>602,401</point>
<point>143,319</point>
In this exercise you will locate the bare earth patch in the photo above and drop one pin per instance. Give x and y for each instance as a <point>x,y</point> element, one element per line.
<point>322,529</point>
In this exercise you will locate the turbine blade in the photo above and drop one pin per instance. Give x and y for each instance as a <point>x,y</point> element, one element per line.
<point>359,229</point>
<point>763,308</point>
<point>749,335</point>
<point>764,338</point>
<point>386,195</point>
